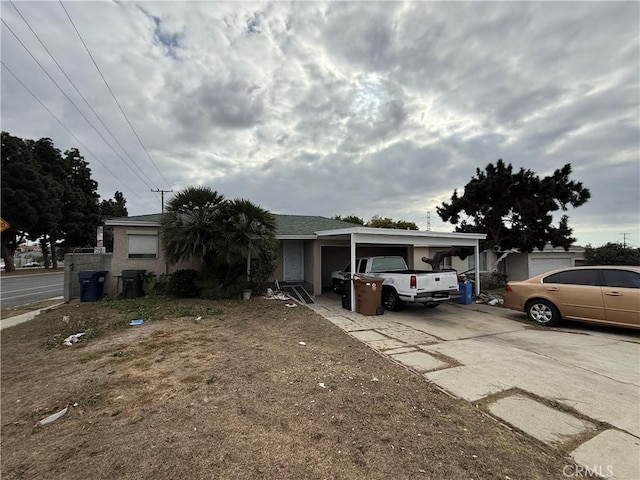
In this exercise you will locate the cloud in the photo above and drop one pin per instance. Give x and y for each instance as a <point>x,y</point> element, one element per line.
<point>332,108</point>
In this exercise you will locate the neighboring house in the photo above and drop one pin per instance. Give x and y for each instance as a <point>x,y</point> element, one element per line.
<point>311,247</point>
<point>518,266</point>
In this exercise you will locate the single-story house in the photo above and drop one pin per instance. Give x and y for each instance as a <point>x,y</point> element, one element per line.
<point>517,266</point>
<point>311,247</point>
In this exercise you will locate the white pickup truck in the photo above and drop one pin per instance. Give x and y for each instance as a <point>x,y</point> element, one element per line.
<point>401,285</point>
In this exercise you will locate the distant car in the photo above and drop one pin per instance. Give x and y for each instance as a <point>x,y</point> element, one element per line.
<point>31,264</point>
<point>597,294</point>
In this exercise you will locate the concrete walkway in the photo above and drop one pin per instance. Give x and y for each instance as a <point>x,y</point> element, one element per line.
<point>576,388</point>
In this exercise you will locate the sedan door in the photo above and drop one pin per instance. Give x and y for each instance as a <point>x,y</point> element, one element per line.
<point>577,293</point>
<point>621,294</point>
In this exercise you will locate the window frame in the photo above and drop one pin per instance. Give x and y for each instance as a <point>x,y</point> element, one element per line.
<point>139,250</point>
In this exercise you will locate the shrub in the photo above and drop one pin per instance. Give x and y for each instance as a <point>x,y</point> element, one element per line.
<point>182,284</point>
<point>490,281</point>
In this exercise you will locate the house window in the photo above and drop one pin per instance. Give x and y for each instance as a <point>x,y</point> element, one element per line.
<point>445,263</point>
<point>143,245</point>
<point>483,262</point>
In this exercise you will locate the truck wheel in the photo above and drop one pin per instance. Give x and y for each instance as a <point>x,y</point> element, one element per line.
<point>543,312</point>
<point>390,300</point>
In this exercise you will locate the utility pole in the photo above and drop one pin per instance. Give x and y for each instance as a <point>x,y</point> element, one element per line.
<point>624,239</point>
<point>162,192</point>
<point>429,221</point>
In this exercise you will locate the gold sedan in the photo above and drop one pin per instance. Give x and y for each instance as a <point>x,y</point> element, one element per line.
<point>596,294</point>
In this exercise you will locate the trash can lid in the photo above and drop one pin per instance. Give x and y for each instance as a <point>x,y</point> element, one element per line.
<point>132,273</point>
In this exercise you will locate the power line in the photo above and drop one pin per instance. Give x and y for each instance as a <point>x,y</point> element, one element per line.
<point>112,94</point>
<point>72,102</point>
<point>162,192</point>
<point>77,90</point>
<point>67,129</point>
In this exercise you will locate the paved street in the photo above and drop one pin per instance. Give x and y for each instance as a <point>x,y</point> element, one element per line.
<point>23,289</point>
<point>576,387</point>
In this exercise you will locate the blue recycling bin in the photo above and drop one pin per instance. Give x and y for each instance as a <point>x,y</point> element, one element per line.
<point>466,289</point>
<point>92,284</point>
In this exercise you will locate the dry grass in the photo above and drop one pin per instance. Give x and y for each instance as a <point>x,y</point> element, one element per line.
<point>30,307</point>
<point>234,395</point>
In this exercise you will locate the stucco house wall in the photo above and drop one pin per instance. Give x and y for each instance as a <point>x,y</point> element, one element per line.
<point>517,266</point>
<point>121,260</point>
<point>325,246</point>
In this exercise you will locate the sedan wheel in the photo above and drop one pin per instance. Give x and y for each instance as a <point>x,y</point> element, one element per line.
<point>544,313</point>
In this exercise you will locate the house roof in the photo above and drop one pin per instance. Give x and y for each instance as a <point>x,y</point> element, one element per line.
<point>286,225</point>
<point>307,225</point>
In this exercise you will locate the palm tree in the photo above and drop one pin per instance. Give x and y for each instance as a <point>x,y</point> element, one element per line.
<point>191,226</point>
<point>247,231</point>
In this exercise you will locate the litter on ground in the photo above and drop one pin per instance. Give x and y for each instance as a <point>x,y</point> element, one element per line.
<point>54,417</point>
<point>71,339</point>
<point>277,296</point>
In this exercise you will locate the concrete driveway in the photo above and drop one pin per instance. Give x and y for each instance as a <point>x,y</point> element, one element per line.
<point>575,388</point>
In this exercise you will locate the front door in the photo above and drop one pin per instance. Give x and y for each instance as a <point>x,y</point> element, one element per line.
<point>293,260</point>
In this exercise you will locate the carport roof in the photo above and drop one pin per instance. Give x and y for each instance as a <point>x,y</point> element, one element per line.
<point>393,236</point>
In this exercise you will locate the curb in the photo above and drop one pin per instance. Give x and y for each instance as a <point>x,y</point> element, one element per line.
<point>25,317</point>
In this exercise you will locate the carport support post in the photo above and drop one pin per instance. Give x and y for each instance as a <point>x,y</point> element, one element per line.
<point>353,271</point>
<point>476,251</point>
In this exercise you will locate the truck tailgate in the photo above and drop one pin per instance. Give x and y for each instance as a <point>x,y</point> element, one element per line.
<point>437,281</point>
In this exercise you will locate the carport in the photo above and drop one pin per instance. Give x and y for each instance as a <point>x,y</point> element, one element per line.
<point>359,237</point>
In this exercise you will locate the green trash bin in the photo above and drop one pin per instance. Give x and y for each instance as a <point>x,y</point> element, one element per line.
<point>133,283</point>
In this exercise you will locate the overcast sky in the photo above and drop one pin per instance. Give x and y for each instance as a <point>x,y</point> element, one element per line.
<point>337,108</point>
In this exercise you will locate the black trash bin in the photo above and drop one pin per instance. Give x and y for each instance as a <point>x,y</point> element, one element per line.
<point>345,290</point>
<point>133,283</point>
<point>92,284</point>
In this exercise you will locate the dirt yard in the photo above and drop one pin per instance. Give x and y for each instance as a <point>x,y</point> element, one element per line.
<point>251,390</point>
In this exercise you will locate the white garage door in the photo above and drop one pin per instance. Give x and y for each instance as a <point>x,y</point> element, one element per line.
<point>545,264</point>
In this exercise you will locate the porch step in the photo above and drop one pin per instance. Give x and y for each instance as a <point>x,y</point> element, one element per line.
<point>299,293</point>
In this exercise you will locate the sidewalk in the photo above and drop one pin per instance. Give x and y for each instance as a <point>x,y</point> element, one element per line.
<point>555,385</point>
<point>25,317</point>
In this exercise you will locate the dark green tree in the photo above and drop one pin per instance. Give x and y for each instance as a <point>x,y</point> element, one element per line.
<point>515,210</point>
<point>112,208</point>
<point>50,206</point>
<point>80,203</point>
<point>612,254</point>
<point>350,219</point>
<point>404,225</point>
<point>378,222</point>
<point>386,222</point>
<point>22,189</point>
<point>115,207</point>
<point>381,222</point>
